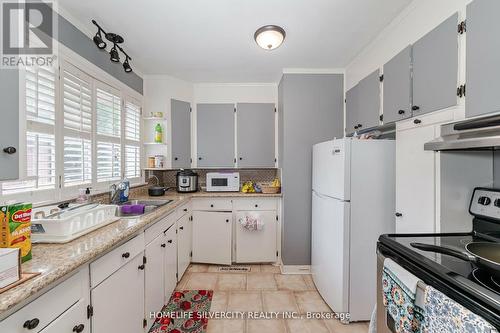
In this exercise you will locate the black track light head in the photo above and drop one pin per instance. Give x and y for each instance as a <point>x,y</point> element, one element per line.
<point>113,54</point>
<point>126,66</point>
<point>99,42</point>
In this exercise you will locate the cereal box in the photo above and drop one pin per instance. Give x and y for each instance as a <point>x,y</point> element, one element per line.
<point>15,228</point>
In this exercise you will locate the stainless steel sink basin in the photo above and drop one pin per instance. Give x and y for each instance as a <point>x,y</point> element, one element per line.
<point>150,206</point>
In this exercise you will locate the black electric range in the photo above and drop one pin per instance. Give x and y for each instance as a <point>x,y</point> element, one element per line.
<point>460,280</point>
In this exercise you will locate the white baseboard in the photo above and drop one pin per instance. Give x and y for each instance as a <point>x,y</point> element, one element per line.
<point>295,269</point>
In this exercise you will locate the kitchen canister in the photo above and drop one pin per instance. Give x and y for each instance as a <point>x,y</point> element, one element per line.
<point>159,161</point>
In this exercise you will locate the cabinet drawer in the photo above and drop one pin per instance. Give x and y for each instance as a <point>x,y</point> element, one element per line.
<point>255,204</point>
<point>182,210</point>
<point>435,118</point>
<point>156,229</point>
<point>216,204</point>
<point>70,321</point>
<point>49,306</point>
<point>111,262</point>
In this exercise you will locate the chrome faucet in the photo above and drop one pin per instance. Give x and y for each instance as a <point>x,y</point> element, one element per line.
<point>115,191</point>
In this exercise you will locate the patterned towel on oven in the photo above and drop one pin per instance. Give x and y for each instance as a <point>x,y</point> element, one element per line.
<point>399,294</point>
<point>444,315</point>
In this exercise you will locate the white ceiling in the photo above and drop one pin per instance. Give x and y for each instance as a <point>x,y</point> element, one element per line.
<point>212,40</point>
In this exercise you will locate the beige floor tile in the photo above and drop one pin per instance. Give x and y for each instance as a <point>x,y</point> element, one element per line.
<point>219,301</point>
<point>245,301</point>
<point>335,326</point>
<point>269,268</point>
<point>206,281</point>
<point>261,326</point>
<point>279,301</point>
<point>309,282</point>
<point>231,282</point>
<point>261,281</point>
<point>181,285</point>
<point>290,282</point>
<point>255,268</point>
<point>310,301</point>
<point>197,268</point>
<point>226,326</point>
<point>306,326</point>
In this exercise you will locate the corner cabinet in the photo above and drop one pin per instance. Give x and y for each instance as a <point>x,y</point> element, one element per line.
<point>483,54</point>
<point>397,87</point>
<point>255,135</point>
<point>435,68</point>
<point>215,135</point>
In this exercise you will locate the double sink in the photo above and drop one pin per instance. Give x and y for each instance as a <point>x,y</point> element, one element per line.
<point>149,207</point>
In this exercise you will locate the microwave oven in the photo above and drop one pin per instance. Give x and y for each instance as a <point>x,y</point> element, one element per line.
<point>223,182</point>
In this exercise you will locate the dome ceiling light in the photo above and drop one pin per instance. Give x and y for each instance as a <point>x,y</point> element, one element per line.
<point>269,37</point>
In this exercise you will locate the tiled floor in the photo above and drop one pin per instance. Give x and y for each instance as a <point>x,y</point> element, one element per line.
<point>263,289</point>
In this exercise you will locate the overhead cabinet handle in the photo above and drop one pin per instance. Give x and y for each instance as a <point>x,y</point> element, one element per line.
<point>415,107</point>
<point>10,150</point>
<point>399,214</point>
<point>401,112</point>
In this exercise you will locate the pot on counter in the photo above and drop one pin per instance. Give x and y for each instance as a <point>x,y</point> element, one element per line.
<point>157,191</point>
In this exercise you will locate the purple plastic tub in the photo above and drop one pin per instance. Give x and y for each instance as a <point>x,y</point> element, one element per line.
<point>133,209</point>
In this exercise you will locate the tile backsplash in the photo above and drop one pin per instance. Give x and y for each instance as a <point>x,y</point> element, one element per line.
<point>168,178</point>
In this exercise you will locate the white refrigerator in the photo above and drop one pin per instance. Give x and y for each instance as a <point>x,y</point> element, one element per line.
<point>353,202</point>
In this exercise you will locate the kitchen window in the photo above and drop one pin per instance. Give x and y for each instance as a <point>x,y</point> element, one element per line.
<point>80,132</point>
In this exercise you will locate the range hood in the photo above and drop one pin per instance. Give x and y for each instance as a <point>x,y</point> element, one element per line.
<point>474,134</point>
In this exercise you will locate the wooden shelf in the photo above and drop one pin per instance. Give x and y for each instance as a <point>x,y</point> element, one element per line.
<point>155,169</point>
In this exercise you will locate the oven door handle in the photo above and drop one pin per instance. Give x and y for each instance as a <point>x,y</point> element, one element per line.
<point>445,250</point>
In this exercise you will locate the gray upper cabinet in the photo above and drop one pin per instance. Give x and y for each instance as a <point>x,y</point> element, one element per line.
<point>181,134</point>
<point>255,137</point>
<point>483,58</point>
<point>435,68</point>
<point>9,135</point>
<point>351,110</point>
<point>215,135</point>
<point>397,87</point>
<point>368,110</point>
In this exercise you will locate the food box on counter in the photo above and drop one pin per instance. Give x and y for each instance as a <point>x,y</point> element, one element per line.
<point>15,228</point>
<point>10,266</point>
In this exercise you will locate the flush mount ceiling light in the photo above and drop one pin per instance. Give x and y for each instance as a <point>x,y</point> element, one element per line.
<point>116,39</point>
<point>269,37</point>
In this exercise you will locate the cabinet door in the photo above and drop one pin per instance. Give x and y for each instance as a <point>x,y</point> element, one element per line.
<point>352,110</point>
<point>368,114</point>
<point>119,300</point>
<point>70,321</point>
<point>181,134</point>
<point>256,142</point>
<point>184,239</point>
<point>154,279</point>
<point>483,54</point>
<point>212,237</point>
<point>170,274</point>
<point>435,68</point>
<point>9,135</point>
<point>215,135</point>
<point>258,245</point>
<point>415,181</point>
<point>397,87</point>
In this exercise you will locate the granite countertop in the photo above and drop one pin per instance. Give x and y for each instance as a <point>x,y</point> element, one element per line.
<point>55,261</point>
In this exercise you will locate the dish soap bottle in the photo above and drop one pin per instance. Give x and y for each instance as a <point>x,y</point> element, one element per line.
<point>158,133</point>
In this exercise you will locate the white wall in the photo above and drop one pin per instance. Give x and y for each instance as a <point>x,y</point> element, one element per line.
<point>420,17</point>
<point>236,93</point>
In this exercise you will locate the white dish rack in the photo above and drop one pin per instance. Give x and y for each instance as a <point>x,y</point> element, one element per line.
<point>69,224</point>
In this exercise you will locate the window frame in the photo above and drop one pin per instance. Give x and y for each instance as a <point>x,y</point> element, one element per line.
<point>99,78</point>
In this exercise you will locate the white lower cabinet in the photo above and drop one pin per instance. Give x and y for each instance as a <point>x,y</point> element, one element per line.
<point>154,277</point>
<point>256,245</point>
<point>212,237</point>
<point>170,275</point>
<point>184,241</point>
<point>73,320</point>
<point>118,302</point>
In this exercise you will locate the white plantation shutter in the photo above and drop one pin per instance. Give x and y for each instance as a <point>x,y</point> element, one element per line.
<point>108,109</point>
<point>108,161</point>
<point>77,116</point>
<point>40,150</point>
<point>132,140</point>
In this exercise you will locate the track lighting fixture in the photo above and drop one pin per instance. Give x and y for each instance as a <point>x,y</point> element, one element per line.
<point>116,39</point>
